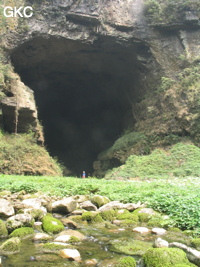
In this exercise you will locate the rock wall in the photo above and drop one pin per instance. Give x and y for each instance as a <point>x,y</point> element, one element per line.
<point>105,28</point>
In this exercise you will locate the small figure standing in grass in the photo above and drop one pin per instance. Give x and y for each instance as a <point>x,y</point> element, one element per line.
<point>84,174</point>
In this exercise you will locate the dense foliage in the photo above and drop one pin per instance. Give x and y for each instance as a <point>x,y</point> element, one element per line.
<point>180,161</point>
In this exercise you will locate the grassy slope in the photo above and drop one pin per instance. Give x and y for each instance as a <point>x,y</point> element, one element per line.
<point>19,154</point>
<point>181,160</point>
<point>176,197</point>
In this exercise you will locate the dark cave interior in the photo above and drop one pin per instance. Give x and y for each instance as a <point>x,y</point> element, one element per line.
<point>83,93</point>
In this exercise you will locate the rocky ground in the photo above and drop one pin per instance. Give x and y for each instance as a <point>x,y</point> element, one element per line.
<point>88,230</point>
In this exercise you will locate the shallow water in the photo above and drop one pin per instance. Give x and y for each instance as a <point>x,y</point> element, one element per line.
<point>96,246</point>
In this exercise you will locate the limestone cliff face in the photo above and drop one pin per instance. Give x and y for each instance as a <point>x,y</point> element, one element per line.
<point>67,38</point>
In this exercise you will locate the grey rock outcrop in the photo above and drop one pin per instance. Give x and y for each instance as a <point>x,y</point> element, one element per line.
<point>87,205</point>
<point>66,205</point>
<point>6,209</point>
<point>19,220</point>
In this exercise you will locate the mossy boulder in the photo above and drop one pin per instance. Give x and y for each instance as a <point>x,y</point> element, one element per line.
<point>10,246</point>
<point>177,236</point>
<point>127,216</point>
<point>126,262</point>
<point>196,243</point>
<point>168,257</point>
<point>109,225</point>
<point>73,234</point>
<point>128,223</point>
<point>108,215</point>
<point>22,232</point>
<point>99,200</point>
<point>129,246</point>
<point>3,229</point>
<point>92,217</point>
<point>184,265</point>
<point>51,247</point>
<point>158,221</point>
<point>5,193</point>
<point>75,218</point>
<point>174,229</point>
<point>19,220</point>
<point>51,224</point>
<point>144,217</point>
<point>37,214</point>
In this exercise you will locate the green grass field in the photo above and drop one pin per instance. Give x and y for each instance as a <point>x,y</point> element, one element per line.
<point>179,198</point>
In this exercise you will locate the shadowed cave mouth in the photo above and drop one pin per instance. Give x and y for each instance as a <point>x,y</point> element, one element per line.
<point>83,93</point>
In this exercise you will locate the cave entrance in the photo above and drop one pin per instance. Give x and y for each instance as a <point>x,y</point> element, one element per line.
<point>83,93</point>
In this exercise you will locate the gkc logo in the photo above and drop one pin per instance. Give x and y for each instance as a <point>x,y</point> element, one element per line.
<point>13,12</point>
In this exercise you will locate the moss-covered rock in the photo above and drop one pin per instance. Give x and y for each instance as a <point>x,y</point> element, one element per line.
<point>22,232</point>
<point>129,246</point>
<point>51,224</point>
<point>99,200</point>
<point>51,247</point>
<point>10,246</point>
<point>126,262</point>
<point>128,223</point>
<point>196,243</point>
<point>3,229</point>
<point>108,215</point>
<point>184,265</point>
<point>174,229</point>
<point>72,233</point>
<point>37,214</point>
<point>92,217</point>
<point>158,221</point>
<point>76,218</point>
<point>19,220</point>
<point>109,225</point>
<point>5,193</point>
<point>177,236</point>
<point>127,216</point>
<point>144,217</point>
<point>168,257</point>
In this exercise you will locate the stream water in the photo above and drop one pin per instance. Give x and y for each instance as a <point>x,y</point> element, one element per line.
<point>96,246</point>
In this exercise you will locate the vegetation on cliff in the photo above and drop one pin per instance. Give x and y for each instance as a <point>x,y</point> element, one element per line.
<point>181,160</point>
<point>19,154</point>
<point>159,12</point>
